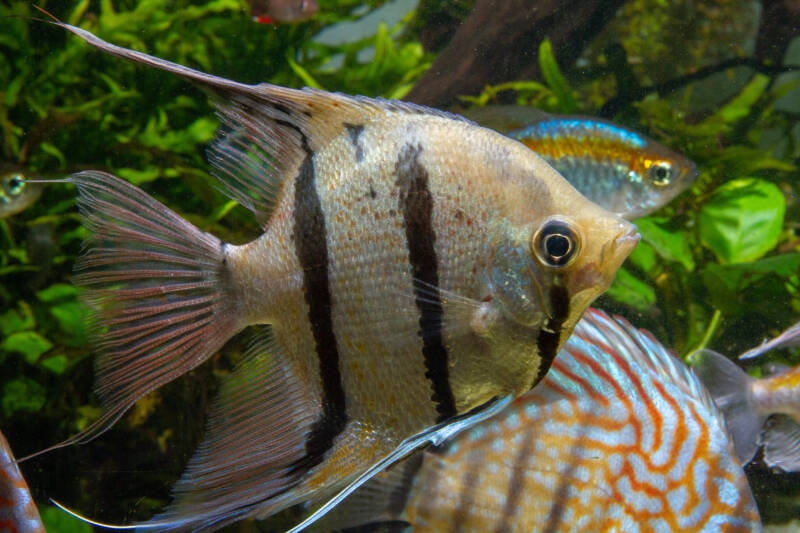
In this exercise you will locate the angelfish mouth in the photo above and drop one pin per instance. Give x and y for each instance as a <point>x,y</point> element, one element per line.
<point>624,243</point>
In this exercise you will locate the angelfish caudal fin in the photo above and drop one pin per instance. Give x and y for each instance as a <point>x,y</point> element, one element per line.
<point>157,287</point>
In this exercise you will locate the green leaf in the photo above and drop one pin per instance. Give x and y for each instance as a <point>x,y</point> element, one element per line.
<point>56,364</point>
<point>12,321</point>
<point>137,177</point>
<point>50,149</point>
<point>643,257</point>
<point>552,75</point>
<point>740,106</point>
<point>669,243</point>
<point>71,318</point>
<point>57,291</point>
<point>55,519</point>
<point>630,290</point>
<point>743,220</point>
<point>303,74</point>
<point>22,394</point>
<point>28,343</point>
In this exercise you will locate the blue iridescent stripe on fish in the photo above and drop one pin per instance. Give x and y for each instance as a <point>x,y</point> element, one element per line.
<point>564,127</point>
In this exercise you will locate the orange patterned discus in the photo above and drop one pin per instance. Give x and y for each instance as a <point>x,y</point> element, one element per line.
<point>620,436</point>
<point>18,513</point>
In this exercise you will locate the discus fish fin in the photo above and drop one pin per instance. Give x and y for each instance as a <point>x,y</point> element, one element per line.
<point>158,290</point>
<point>730,387</point>
<point>268,130</point>
<point>781,440</point>
<point>641,346</point>
<point>254,446</point>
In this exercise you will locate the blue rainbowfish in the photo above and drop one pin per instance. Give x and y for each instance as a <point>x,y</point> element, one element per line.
<point>619,436</point>
<point>614,166</point>
<point>18,512</point>
<point>16,195</point>
<point>413,267</point>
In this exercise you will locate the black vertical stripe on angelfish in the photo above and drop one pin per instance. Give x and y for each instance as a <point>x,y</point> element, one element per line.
<point>355,131</point>
<point>416,204</point>
<point>550,334</point>
<point>310,238</point>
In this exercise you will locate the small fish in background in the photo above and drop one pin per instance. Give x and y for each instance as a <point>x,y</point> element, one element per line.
<point>788,339</point>
<point>282,11</point>
<point>413,267</point>
<point>15,194</point>
<point>18,513</point>
<point>748,402</point>
<point>619,436</point>
<point>614,166</point>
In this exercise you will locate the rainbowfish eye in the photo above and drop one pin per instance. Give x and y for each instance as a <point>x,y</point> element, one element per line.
<point>14,184</point>
<point>556,244</point>
<point>660,174</point>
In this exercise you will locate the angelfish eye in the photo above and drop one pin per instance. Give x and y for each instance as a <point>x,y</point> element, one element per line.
<point>556,244</point>
<point>660,174</point>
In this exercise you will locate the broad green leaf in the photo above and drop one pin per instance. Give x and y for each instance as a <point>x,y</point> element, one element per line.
<point>630,290</point>
<point>22,394</point>
<point>28,343</point>
<point>13,321</point>
<point>57,291</point>
<point>57,364</point>
<point>71,318</point>
<point>671,244</point>
<point>555,80</point>
<point>55,519</point>
<point>742,220</point>
<point>643,256</point>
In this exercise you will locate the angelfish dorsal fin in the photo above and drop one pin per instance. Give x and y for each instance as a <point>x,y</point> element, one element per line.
<point>267,130</point>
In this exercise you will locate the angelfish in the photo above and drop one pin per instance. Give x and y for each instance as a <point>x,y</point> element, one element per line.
<point>413,266</point>
<point>18,513</point>
<point>617,167</point>
<point>619,436</point>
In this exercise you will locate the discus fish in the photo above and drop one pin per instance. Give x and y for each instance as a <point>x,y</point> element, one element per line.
<point>616,167</point>
<point>619,436</point>
<point>15,194</point>
<point>18,512</point>
<point>747,402</point>
<point>413,266</point>
<point>271,11</point>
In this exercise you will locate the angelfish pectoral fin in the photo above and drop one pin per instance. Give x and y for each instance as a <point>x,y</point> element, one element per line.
<point>435,435</point>
<point>256,436</point>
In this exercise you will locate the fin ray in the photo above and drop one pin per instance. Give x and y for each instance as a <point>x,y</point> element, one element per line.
<point>156,289</point>
<point>255,435</point>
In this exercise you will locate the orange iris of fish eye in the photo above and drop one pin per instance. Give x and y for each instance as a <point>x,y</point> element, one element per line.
<point>660,173</point>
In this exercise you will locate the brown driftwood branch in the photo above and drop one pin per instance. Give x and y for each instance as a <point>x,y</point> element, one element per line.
<point>499,41</point>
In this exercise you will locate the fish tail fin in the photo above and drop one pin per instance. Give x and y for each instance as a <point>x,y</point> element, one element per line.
<point>158,290</point>
<point>781,440</point>
<point>730,387</point>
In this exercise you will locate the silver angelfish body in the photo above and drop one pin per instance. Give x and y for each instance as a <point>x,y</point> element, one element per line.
<point>413,266</point>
